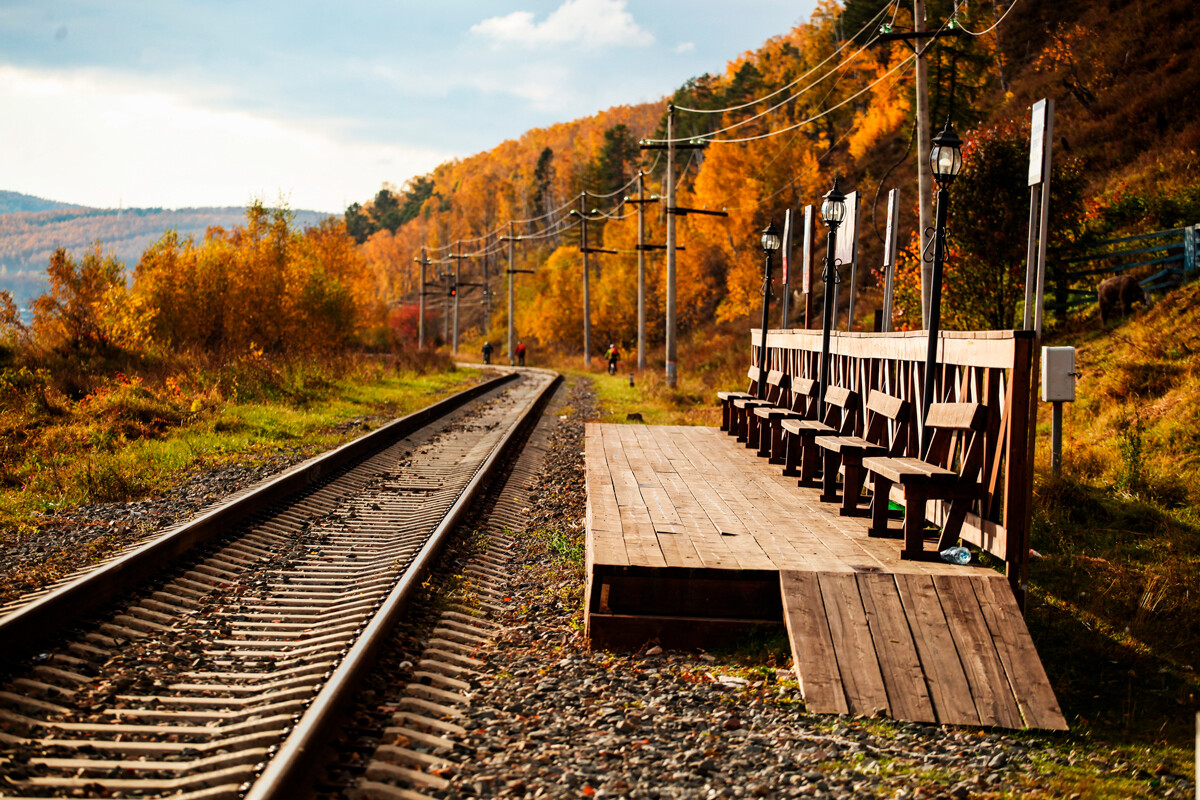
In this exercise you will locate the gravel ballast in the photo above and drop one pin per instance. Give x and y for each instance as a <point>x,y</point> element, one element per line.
<point>553,718</point>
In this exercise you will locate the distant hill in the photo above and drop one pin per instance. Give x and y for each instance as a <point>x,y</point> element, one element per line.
<point>32,228</point>
<point>16,203</point>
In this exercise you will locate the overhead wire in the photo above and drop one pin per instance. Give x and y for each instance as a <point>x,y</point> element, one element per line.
<point>841,66</point>
<point>908,60</point>
<point>783,89</point>
<point>995,25</point>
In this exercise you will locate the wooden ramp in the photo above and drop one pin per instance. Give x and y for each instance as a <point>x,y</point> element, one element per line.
<point>929,648</point>
<point>691,539</point>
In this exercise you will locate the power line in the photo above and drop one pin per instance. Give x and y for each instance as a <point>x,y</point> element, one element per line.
<point>783,89</point>
<point>816,117</point>
<point>841,66</point>
<point>993,27</point>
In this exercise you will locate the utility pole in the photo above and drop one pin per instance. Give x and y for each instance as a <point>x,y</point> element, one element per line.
<point>642,247</point>
<point>672,377</point>
<point>672,211</point>
<point>457,257</point>
<point>641,288</point>
<point>924,182</point>
<point>511,308</point>
<point>442,275</point>
<point>587,303</point>
<point>511,332</point>
<point>423,261</point>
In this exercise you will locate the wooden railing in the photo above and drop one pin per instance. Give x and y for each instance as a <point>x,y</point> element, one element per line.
<point>996,368</point>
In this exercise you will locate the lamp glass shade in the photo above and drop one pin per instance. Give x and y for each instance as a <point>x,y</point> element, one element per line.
<point>833,209</point>
<point>945,155</point>
<point>770,239</point>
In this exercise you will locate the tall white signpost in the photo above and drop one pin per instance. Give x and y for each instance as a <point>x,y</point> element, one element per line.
<point>889,258</point>
<point>1041,143</point>
<point>846,255</point>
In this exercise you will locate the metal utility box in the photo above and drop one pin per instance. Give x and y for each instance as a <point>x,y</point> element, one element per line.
<point>1058,374</point>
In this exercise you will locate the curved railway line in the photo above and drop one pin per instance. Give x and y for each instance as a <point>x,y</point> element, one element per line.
<point>212,661</point>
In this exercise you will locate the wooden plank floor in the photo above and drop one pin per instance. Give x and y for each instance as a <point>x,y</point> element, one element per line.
<point>686,526</point>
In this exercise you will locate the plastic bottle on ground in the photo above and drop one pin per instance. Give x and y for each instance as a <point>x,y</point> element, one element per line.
<point>956,555</point>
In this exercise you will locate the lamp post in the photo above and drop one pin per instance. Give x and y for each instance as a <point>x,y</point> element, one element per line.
<point>945,159</point>
<point>833,211</point>
<point>770,243</point>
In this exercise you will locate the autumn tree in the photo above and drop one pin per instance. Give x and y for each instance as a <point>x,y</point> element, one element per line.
<point>983,280</point>
<point>70,315</point>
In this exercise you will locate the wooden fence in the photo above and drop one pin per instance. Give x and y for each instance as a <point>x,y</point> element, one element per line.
<point>995,368</point>
<point>1173,251</point>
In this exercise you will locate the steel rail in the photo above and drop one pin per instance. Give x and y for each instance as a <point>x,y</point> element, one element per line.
<point>21,630</point>
<point>286,774</point>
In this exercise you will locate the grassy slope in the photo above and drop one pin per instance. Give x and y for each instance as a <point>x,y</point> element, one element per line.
<point>133,437</point>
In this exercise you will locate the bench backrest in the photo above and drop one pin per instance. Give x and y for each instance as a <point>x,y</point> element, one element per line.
<point>958,436</point>
<point>882,410</point>
<point>752,374</point>
<point>804,397</point>
<point>840,405</point>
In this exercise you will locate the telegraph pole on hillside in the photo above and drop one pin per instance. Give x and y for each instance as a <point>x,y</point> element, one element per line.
<point>672,211</point>
<point>924,183</point>
<point>672,377</point>
<point>642,247</point>
<point>587,302</point>
<point>457,258</point>
<point>511,330</point>
<point>512,338</point>
<point>423,261</point>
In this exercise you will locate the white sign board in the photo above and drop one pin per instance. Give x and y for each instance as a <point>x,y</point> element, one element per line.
<point>1038,132</point>
<point>806,252</point>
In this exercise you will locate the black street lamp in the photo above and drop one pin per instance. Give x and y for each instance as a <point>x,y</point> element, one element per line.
<point>833,211</point>
<point>770,243</point>
<point>945,158</point>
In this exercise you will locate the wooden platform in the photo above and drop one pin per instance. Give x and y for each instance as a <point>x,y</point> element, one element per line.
<point>692,538</point>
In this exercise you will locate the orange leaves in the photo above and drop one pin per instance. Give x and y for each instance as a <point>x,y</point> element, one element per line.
<point>266,285</point>
<point>884,115</point>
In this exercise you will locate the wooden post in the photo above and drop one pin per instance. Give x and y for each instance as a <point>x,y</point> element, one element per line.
<point>1018,485</point>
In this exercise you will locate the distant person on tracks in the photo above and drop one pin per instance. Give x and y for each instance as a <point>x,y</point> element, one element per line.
<point>520,354</point>
<point>614,355</point>
<point>487,352</point>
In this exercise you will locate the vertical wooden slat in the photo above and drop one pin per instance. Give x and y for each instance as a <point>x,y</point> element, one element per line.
<point>908,695</point>
<point>853,647</point>
<point>1026,675</point>
<point>812,648</point>
<point>948,687</point>
<point>977,652</point>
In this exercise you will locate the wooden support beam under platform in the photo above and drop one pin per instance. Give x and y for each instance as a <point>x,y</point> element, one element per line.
<point>693,540</point>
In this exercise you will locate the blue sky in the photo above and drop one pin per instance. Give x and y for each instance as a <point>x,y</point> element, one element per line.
<point>178,103</point>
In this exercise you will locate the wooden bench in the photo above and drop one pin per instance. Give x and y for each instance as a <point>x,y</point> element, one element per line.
<point>883,412</point>
<point>802,406</point>
<point>958,438</point>
<point>800,434</point>
<point>743,423</point>
<point>727,398</point>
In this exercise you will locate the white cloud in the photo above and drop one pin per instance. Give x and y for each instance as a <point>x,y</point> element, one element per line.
<point>86,137</point>
<point>593,23</point>
<point>685,47</point>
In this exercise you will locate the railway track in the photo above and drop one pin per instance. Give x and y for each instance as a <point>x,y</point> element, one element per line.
<point>222,653</point>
